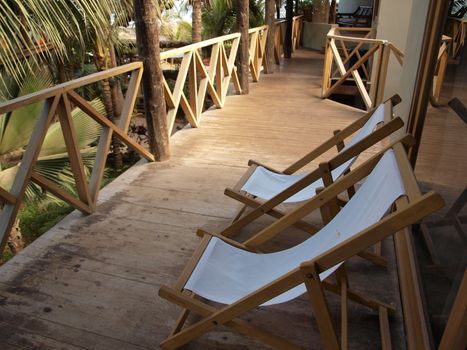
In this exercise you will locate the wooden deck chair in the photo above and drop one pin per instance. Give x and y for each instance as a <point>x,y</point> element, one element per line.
<point>263,188</point>
<point>388,201</point>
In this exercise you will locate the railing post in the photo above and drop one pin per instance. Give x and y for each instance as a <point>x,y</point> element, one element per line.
<point>383,72</point>
<point>327,68</point>
<point>375,75</point>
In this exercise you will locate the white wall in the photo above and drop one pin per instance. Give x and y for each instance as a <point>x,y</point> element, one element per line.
<point>393,25</point>
<point>412,56</point>
<point>348,6</point>
<point>314,35</point>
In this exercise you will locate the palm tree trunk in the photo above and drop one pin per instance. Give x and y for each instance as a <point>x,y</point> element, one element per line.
<point>288,30</point>
<point>196,21</point>
<point>147,34</point>
<point>243,19</point>
<point>102,62</point>
<point>270,8</point>
<point>332,12</point>
<point>15,239</point>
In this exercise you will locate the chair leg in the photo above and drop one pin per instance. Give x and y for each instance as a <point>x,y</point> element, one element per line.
<point>239,213</point>
<point>384,329</point>
<point>176,340</point>
<point>180,321</point>
<point>320,307</point>
<point>344,311</point>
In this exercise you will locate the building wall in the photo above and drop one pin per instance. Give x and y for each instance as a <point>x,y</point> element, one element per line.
<point>403,23</point>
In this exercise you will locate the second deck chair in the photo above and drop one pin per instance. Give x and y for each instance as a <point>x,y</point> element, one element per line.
<point>388,201</point>
<point>261,182</point>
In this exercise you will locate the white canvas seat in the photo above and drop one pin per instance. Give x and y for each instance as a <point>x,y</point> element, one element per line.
<point>225,273</point>
<point>265,184</point>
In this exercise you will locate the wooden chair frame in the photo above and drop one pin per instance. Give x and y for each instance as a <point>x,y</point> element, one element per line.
<point>406,210</point>
<point>260,208</point>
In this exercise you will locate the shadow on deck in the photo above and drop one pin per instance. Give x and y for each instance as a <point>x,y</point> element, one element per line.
<point>91,282</point>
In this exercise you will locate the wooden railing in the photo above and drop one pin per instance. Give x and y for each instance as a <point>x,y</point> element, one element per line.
<point>258,38</point>
<point>458,32</point>
<point>202,77</point>
<point>198,76</point>
<point>297,27</point>
<point>359,58</point>
<point>57,102</point>
<point>440,71</point>
<point>279,36</point>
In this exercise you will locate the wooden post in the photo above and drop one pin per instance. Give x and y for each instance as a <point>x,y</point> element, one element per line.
<point>288,30</point>
<point>269,19</point>
<point>243,18</point>
<point>332,12</point>
<point>147,34</point>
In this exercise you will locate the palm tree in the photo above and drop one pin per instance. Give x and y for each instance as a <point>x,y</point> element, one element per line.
<point>43,29</point>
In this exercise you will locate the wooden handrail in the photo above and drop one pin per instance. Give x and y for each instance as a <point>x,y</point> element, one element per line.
<point>205,43</point>
<point>373,64</point>
<point>67,86</point>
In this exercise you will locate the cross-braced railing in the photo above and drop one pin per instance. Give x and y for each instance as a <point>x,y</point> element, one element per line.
<point>297,26</point>
<point>258,38</point>
<point>279,40</point>
<point>279,36</point>
<point>199,77</point>
<point>57,104</point>
<point>356,56</point>
<point>458,32</point>
<point>202,79</point>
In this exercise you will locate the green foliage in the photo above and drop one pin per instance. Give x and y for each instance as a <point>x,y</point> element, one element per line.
<point>184,31</point>
<point>62,23</point>
<point>16,126</point>
<point>220,18</point>
<point>36,219</point>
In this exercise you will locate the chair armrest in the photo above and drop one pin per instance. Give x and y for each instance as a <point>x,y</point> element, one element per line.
<point>257,163</point>
<point>201,233</point>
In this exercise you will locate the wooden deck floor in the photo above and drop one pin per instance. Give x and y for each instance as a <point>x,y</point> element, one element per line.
<point>91,282</point>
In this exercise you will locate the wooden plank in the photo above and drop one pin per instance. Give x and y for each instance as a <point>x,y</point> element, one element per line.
<point>10,210</point>
<point>143,232</point>
<point>72,146</point>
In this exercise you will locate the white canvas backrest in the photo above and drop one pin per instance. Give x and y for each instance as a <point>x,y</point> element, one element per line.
<point>225,274</point>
